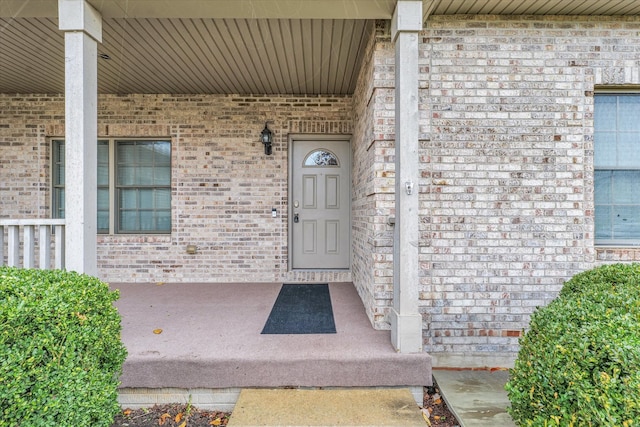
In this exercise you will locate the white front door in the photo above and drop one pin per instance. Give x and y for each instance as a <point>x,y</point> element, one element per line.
<point>320,204</point>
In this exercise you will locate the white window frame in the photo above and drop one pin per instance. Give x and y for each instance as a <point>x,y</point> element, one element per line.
<point>112,186</point>
<point>614,241</point>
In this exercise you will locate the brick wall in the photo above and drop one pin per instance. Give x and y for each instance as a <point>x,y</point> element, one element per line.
<point>507,187</point>
<point>373,177</point>
<point>506,153</point>
<point>24,154</point>
<point>223,186</point>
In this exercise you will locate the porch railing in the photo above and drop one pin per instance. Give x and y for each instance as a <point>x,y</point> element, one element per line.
<point>50,234</point>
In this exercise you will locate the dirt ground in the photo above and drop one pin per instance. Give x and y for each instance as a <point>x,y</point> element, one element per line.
<point>181,415</point>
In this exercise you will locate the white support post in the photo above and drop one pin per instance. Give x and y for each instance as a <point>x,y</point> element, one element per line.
<point>28,246</point>
<point>13,256</point>
<point>45,247</point>
<point>406,321</point>
<point>82,25</point>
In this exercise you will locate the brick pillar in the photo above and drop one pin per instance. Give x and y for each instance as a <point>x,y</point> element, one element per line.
<point>406,321</point>
<point>82,25</point>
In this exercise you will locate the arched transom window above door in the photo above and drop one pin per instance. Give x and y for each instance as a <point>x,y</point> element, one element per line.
<point>321,157</point>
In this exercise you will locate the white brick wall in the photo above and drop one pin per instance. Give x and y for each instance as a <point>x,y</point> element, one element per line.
<point>507,188</point>
<point>506,125</point>
<point>373,177</point>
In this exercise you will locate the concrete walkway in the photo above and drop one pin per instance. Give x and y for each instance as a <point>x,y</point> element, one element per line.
<point>476,398</point>
<point>343,407</point>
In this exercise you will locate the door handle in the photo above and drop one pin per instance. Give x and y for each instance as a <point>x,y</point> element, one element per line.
<point>296,218</point>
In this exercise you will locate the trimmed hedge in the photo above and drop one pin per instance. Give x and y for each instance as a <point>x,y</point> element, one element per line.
<point>60,349</point>
<point>579,363</point>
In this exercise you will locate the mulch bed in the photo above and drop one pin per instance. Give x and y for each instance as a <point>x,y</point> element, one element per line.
<point>171,415</point>
<point>435,410</point>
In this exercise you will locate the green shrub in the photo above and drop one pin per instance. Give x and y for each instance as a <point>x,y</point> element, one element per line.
<point>606,277</point>
<point>60,349</point>
<point>579,363</point>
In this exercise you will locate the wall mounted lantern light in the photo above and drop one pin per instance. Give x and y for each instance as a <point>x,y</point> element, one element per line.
<point>267,139</point>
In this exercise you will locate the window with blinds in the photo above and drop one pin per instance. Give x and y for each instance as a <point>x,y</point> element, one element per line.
<point>617,168</point>
<point>133,188</point>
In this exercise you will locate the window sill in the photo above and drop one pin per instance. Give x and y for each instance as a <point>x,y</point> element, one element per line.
<point>134,238</point>
<point>618,253</point>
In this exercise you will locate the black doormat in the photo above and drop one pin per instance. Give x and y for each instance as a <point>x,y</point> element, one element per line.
<point>301,309</point>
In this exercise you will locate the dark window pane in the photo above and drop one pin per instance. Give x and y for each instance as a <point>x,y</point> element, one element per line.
<point>626,222</point>
<point>128,221</point>
<point>103,222</point>
<point>163,199</point>
<point>628,149</point>
<point>625,187</point>
<point>59,202</point>
<point>603,222</point>
<point>603,187</point>
<point>103,163</point>
<point>629,113</point>
<point>606,152</point>
<point>605,112</point>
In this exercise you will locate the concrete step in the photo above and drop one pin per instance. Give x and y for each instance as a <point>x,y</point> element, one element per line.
<point>208,336</point>
<point>476,397</point>
<point>337,407</point>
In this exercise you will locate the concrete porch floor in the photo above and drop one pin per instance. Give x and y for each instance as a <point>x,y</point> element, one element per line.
<point>210,339</point>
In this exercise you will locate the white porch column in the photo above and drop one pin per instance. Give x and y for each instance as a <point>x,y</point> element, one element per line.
<point>82,25</point>
<point>406,321</point>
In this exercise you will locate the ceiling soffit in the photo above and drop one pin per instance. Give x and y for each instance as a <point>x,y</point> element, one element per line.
<point>228,46</point>
<point>243,56</point>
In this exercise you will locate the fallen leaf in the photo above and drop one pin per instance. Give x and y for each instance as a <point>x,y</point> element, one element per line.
<point>163,419</point>
<point>178,417</point>
<point>426,418</point>
<point>159,283</point>
<point>126,412</point>
<point>438,401</point>
<point>157,331</point>
<point>184,423</point>
<point>216,422</point>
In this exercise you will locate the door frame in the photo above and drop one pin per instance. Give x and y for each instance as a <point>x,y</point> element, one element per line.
<point>315,137</point>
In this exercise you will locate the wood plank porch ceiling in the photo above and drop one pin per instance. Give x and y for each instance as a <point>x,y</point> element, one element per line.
<point>228,46</point>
